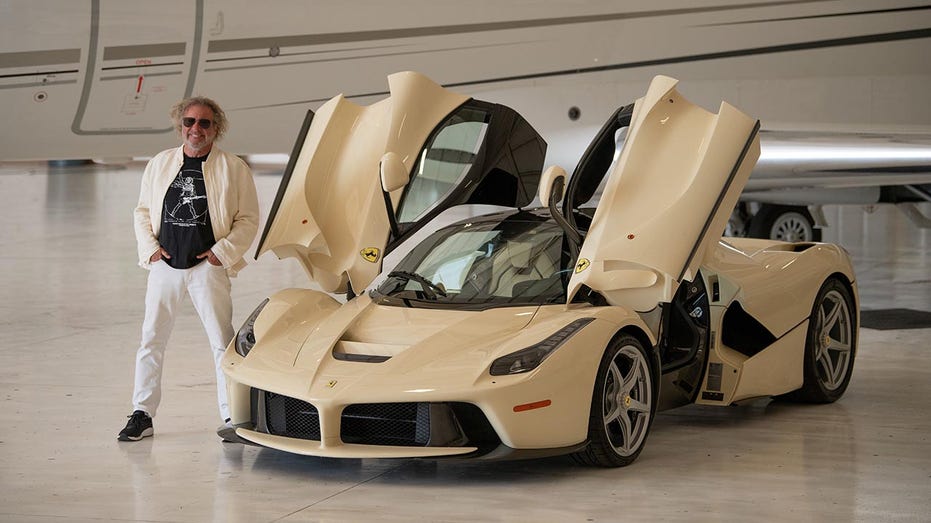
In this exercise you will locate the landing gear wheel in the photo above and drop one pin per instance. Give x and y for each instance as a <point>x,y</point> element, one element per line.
<point>623,405</point>
<point>784,223</point>
<point>830,347</point>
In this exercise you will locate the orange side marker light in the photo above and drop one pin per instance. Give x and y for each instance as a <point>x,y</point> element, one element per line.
<point>531,406</point>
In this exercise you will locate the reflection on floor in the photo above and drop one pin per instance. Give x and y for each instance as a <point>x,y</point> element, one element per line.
<point>71,316</point>
<point>894,319</point>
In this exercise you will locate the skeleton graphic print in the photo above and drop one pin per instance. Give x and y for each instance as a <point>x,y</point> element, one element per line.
<point>186,230</point>
<point>186,205</point>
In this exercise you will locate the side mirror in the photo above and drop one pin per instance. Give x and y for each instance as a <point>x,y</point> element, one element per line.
<point>394,174</point>
<point>550,181</point>
<point>552,185</point>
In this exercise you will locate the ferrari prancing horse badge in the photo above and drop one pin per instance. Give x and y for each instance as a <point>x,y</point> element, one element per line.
<point>370,254</point>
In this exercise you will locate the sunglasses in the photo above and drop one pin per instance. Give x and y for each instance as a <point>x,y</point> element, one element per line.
<point>203,122</point>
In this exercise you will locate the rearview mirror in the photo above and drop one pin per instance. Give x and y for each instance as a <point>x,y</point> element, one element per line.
<point>394,174</point>
<point>550,181</point>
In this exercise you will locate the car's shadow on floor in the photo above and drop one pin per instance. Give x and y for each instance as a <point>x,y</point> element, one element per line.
<point>673,436</point>
<point>407,470</point>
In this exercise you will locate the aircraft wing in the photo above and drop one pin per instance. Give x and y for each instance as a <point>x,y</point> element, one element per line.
<point>802,165</point>
<point>839,166</point>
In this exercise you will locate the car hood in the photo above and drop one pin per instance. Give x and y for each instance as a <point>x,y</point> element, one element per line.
<point>364,339</point>
<point>667,197</point>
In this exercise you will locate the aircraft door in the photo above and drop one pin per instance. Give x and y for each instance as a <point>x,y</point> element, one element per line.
<point>142,58</point>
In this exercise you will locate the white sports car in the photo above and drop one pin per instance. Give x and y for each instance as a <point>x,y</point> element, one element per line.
<point>526,333</point>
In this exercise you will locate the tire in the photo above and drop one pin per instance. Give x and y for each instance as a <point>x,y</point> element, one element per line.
<point>784,223</point>
<point>623,405</point>
<point>830,346</point>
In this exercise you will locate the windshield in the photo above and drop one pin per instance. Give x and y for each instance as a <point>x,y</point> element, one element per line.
<point>519,260</point>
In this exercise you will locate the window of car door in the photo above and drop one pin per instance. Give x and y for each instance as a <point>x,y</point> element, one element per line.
<point>444,162</point>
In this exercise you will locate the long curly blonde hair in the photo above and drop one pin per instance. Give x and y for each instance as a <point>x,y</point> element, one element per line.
<point>219,117</point>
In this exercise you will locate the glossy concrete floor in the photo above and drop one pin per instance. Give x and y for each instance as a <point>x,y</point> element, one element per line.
<point>70,319</point>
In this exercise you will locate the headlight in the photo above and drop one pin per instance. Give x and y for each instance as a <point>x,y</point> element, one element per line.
<point>531,357</point>
<point>245,338</point>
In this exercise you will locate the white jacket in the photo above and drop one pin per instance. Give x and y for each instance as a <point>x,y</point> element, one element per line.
<point>231,199</point>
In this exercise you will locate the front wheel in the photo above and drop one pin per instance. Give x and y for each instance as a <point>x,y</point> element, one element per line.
<point>623,405</point>
<point>830,346</point>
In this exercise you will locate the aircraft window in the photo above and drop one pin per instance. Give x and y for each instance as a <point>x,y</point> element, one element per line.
<point>444,162</point>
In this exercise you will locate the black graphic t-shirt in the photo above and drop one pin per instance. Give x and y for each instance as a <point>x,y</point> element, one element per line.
<point>186,230</point>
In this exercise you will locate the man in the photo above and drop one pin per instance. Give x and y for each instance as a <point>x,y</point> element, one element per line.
<point>196,217</point>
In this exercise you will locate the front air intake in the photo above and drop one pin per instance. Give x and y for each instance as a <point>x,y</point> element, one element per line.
<point>284,416</point>
<point>402,424</point>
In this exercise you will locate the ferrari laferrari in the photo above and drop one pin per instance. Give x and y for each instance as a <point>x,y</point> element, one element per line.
<point>536,330</point>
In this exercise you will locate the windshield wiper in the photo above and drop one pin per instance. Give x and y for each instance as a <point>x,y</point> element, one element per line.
<point>429,288</point>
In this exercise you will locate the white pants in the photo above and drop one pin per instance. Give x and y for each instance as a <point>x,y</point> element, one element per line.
<point>209,289</point>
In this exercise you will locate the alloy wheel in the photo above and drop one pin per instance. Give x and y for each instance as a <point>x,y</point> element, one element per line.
<point>833,346</point>
<point>628,397</point>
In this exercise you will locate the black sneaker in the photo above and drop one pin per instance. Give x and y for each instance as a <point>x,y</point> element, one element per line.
<point>138,427</point>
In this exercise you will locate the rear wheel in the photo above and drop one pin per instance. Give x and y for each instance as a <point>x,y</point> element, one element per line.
<point>784,223</point>
<point>830,347</point>
<point>623,405</point>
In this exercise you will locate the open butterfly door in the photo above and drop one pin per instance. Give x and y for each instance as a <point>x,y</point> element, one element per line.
<point>333,212</point>
<point>667,198</point>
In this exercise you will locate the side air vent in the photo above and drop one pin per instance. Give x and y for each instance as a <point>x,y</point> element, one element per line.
<point>743,333</point>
